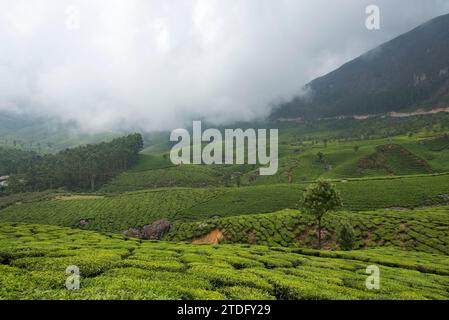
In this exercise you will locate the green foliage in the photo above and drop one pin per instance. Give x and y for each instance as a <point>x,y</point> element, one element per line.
<point>81,168</point>
<point>179,176</point>
<point>33,260</point>
<point>116,213</point>
<point>15,198</point>
<point>395,160</point>
<point>425,229</point>
<point>437,144</point>
<point>321,198</point>
<point>318,200</point>
<point>355,88</point>
<point>345,236</point>
<point>13,161</point>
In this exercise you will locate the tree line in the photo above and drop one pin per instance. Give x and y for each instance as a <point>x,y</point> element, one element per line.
<point>14,160</point>
<point>82,168</point>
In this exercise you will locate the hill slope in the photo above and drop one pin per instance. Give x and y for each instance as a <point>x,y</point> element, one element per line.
<point>44,134</point>
<point>33,260</point>
<point>115,213</point>
<point>425,230</point>
<point>409,72</point>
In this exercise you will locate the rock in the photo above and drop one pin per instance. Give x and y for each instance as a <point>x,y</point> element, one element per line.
<point>132,233</point>
<point>83,223</point>
<point>156,230</point>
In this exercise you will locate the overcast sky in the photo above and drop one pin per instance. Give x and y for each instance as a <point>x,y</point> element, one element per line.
<point>153,64</point>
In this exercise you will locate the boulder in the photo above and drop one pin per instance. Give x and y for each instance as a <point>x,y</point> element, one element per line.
<point>83,224</point>
<point>132,233</point>
<point>156,230</point>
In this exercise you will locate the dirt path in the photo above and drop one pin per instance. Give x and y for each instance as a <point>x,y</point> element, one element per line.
<point>213,237</point>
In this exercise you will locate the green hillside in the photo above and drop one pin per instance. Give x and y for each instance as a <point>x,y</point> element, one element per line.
<point>424,230</point>
<point>34,259</point>
<point>297,164</point>
<point>395,160</point>
<point>362,181</point>
<point>114,213</point>
<point>182,176</point>
<point>119,212</point>
<point>44,134</point>
<point>403,74</point>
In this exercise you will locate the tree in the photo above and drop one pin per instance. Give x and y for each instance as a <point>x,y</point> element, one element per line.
<point>356,148</point>
<point>82,168</point>
<point>319,199</point>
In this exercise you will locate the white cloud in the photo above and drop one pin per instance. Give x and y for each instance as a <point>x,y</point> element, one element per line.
<point>155,64</point>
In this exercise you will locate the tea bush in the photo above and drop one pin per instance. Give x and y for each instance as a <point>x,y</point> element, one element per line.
<point>34,258</point>
<point>425,229</point>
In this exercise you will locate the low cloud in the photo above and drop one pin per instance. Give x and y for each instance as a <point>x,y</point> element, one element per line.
<point>155,65</point>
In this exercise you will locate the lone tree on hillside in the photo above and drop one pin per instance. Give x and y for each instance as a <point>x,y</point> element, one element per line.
<point>320,199</point>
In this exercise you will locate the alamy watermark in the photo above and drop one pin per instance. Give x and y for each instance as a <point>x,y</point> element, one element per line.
<point>373,280</point>
<point>238,147</point>
<point>372,22</point>
<point>73,281</point>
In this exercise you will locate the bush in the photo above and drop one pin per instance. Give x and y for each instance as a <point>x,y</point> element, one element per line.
<point>346,236</point>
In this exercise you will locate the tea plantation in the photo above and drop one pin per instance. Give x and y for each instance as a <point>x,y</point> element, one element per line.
<point>425,230</point>
<point>298,162</point>
<point>112,213</point>
<point>258,244</point>
<point>33,260</point>
<point>116,213</point>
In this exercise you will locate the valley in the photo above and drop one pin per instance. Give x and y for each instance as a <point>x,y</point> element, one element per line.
<point>251,230</point>
<point>354,206</point>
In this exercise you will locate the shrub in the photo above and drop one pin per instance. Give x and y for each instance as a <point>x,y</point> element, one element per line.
<point>346,236</point>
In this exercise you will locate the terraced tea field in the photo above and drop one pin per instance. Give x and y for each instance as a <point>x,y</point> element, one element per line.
<point>149,173</point>
<point>33,260</point>
<point>395,160</point>
<point>425,230</point>
<point>116,213</point>
<point>297,163</point>
<point>181,176</point>
<point>345,160</point>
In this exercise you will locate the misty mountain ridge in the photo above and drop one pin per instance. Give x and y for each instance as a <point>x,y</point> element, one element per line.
<point>40,133</point>
<point>407,73</point>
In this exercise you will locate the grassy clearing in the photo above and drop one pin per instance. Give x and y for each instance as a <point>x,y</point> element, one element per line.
<point>33,259</point>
